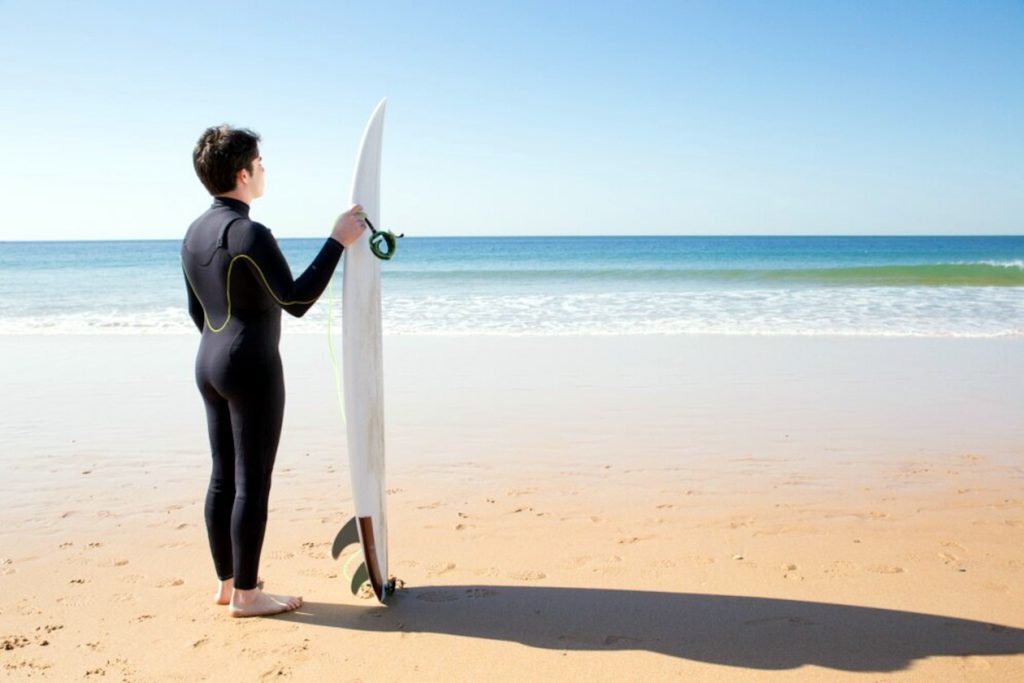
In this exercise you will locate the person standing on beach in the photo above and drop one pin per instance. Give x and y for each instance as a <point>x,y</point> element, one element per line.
<point>238,282</point>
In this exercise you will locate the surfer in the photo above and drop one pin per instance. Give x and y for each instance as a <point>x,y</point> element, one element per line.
<point>237,282</point>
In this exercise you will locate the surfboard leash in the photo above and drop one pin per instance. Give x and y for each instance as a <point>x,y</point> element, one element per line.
<point>389,239</point>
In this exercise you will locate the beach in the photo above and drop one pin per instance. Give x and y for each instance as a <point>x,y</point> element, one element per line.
<point>702,328</point>
<point>577,507</point>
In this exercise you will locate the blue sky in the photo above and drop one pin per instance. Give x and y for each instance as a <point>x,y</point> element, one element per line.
<point>527,118</point>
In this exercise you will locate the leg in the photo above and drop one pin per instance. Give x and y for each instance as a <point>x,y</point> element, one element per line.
<point>257,412</point>
<point>220,495</point>
<point>256,417</point>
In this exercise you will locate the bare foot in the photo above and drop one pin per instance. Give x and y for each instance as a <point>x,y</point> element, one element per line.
<point>224,588</point>
<point>256,603</point>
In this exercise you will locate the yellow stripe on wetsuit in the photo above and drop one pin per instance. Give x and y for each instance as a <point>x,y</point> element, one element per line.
<point>227,292</point>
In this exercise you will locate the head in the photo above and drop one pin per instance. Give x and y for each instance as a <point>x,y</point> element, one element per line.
<point>227,161</point>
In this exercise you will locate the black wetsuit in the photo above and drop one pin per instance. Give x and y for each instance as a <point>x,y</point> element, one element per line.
<point>238,368</point>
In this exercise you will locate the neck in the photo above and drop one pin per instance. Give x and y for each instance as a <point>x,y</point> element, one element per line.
<point>242,194</point>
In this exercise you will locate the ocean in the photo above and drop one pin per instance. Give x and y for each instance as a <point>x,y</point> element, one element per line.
<point>848,286</point>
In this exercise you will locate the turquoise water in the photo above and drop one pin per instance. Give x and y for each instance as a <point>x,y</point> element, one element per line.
<point>861,286</point>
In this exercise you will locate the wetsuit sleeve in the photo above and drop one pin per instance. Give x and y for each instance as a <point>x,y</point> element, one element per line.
<point>295,296</point>
<point>195,309</point>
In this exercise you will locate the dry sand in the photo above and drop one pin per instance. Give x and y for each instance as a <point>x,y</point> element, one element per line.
<point>580,508</point>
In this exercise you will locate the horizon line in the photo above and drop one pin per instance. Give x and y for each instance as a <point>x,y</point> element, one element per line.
<point>546,236</point>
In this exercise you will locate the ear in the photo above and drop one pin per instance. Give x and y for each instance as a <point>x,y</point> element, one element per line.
<point>242,177</point>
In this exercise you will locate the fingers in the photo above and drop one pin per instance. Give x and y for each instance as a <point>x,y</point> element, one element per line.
<point>357,211</point>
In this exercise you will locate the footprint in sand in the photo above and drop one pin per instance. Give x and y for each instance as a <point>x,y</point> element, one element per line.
<point>842,568</point>
<point>487,571</point>
<point>463,527</point>
<point>276,673</point>
<point>575,562</point>
<point>315,549</point>
<point>995,587</point>
<point>14,642</point>
<point>480,593</point>
<point>527,575</point>
<point>630,540</point>
<point>27,610</point>
<point>76,601</point>
<point>885,569</point>
<point>439,568</point>
<point>127,673</point>
<point>28,664</point>
<point>280,555</point>
<point>789,571</point>
<point>169,583</point>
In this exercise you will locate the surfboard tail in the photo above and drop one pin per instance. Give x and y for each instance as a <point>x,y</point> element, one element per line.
<point>369,543</point>
<point>359,530</point>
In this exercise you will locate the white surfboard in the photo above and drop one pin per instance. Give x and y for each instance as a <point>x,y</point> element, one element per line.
<point>363,365</point>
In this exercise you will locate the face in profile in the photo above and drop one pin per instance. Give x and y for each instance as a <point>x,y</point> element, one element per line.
<point>257,177</point>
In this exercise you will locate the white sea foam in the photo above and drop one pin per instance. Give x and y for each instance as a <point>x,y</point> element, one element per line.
<point>869,311</point>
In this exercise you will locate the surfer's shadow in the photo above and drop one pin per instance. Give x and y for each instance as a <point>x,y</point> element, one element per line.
<point>750,632</point>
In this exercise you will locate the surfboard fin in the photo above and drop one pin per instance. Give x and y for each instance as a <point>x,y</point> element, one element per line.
<point>348,535</point>
<point>359,578</point>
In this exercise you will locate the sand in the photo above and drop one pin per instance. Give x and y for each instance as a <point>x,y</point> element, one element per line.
<point>577,508</point>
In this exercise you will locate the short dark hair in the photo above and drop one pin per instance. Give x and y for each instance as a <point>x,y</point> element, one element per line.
<point>220,153</point>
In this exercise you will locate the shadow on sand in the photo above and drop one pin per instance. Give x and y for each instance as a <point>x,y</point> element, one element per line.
<point>749,632</point>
